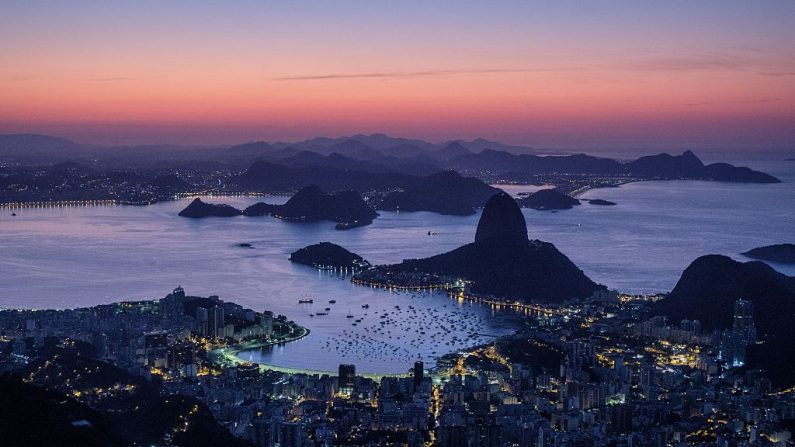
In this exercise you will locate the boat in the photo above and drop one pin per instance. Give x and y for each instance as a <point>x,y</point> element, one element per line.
<point>321,314</point>
<point>332,301</point>
<point>365,306</point>
<point>306,301</point>
<point>328,309</point>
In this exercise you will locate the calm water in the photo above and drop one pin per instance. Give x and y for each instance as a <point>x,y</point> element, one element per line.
<point>69,257</point>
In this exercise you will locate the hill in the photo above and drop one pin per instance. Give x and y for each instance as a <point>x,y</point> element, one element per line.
<point>503,262</point>
<point>198,209</point>
<point>311,204</point>
<point>327,255</point>
<point>711,284</point>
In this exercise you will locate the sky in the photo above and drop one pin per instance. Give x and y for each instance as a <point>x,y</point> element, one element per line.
<point>564,74</point>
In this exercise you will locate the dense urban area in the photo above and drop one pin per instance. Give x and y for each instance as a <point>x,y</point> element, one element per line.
<point>598,372</point>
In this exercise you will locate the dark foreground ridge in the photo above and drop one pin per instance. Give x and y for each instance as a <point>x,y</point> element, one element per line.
<point>326,255</point>
<point>311,204</point>
<point>707,291</point>
<point>783,253</point>
<point>502,261</point>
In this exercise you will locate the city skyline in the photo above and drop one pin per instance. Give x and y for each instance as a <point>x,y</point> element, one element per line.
<point>604,76</point>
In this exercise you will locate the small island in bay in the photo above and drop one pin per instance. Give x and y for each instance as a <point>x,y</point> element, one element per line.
<point>328,256</point>
<point>782,253</point>
<point>311,204</point>
<point>548,199</point>
<point>198,209</point>
<point>601,202</point>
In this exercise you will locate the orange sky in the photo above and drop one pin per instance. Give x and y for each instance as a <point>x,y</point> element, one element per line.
<point>552,76</point>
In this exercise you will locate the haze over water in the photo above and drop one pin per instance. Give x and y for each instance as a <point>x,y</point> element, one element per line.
<point>71,257</point>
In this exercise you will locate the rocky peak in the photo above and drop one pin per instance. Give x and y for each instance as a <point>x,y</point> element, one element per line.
<point>502,219</point>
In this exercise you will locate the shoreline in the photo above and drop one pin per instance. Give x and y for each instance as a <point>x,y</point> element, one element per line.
<point>229,356</point>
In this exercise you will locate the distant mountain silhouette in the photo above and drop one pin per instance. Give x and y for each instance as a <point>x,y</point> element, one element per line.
<point>33,147</point>
<point>326,254</point>
<point>661,166</point>
<point>198,209</point>
<point>255,148</point>
<point>354,149</point>
<point>381,150</point>
<point>783,253</point>
<point>666,165</point>
<point>334,160</point>
<point>311,204</point>
<point>503,262</point>
<point>479,144</point>
<point>506,161</point>
<point>548,199</point>
<point>452,150</point>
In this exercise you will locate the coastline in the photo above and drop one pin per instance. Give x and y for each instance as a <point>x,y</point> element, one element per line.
<point>228,356</point>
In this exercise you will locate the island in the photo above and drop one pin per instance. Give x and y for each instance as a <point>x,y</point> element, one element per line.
<point>601,202</point>
<point>199,209</point>
<point>548,199</point>
<point>501,262</point>
<point>311,204</point>
<point>328,256</point>
<point>781,253</point>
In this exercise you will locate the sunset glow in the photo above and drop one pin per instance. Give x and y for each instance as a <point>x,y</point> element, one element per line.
<point>606,75</point>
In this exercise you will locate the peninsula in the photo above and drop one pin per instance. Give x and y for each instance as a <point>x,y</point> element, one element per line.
<point>199,209</point>
<point>782,253</point>
<point>502,261</point>
<point>328,256</point>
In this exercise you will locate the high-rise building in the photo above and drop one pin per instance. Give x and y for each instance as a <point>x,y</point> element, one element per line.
<point>742,333</point>
<point>289,434</point>
<point>215,321</point>
<point>743,323</point>
<point>202,321</point>
<point>419,374</point>
<point>346,378</point>
<point>267,322</point>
